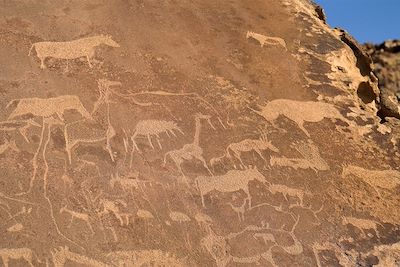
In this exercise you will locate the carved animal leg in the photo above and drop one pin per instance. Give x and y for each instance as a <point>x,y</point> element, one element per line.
<point>260,154</point>
<point>42,65</point>
<point>149,138</point>
<point>90,227</point>
<point>301,126</point>
<point>88,60</point>
<point>70,222</point>
<point>159,143</point>
<point>205,165</point>
<point>5,261</point>
<point>238,156</point>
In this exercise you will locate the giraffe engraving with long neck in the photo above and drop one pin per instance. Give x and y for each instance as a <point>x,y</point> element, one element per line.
<point>192,150</point>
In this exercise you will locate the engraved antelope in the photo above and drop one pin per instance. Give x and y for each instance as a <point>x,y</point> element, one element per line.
<point>247,145</point>
<point>232,181</point>
<point>84,47</point>
<point>262,39</point>
<point>110,206</point>
<point>192,150</point>
<point>77,215</point>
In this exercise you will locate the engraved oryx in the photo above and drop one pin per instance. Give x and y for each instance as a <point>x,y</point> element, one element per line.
<point>84,47</point>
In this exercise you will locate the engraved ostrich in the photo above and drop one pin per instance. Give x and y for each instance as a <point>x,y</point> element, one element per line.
<point>192,150</point>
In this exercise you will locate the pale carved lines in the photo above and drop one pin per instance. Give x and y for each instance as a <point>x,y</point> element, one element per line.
<point>7,254</point>
<point>153,128</point>
<point>311,158</point>
<point>112,207</point>
<point>262,39</point>
<point>138,258</point>
<point>47,107</point>
<point>362,224</point>
<point>62,254</point>
<point>300,112</point>
<point>84,47</point>
<point>219,249</point>
<point>235,150</point>
<point>193,150</point>
<point>21,126</point>
<point>232,181</point>
<point>84,217</point>
<point>77,132</point>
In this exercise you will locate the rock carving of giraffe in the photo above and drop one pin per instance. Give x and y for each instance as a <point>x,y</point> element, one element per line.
<point>192,150</point>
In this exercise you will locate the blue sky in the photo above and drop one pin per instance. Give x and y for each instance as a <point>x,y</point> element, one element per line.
<point>367,20</point>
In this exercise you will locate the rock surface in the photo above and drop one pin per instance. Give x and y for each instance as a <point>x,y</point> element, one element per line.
<point>191,133</point>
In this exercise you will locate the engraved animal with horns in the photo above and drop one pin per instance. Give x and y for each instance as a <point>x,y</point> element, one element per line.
<point>84,47</point>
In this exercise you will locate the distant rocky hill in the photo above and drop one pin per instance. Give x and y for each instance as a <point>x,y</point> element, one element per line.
<point>386,58</point>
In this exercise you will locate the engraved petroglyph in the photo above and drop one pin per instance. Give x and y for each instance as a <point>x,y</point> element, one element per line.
<point>77,215</point>
<point>7,254</point>
<point>153,128</point>
<point>129,183</point>
<point>218,248</point>
<point>232,181</point>
<point>138,258</point>
<point>180,217</point>
<point>383,179</point>
<point>84,47</point>
<point>21,126</point>
<point>311,158</point>
<point>262,39</point>
<point>63,254</point>
<point>362,224</point>
<point>47,107</point>
<point>111,207</point>
<point>247,145</point>
<point>193,150</point>
<point>288,191</point>
<point>8,145</point>
<point>144,214</point>
<point>300,112</point>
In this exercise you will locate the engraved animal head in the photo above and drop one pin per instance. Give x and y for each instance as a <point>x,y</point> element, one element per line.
<point>104,83</point>
<point>107,40</point>
<point>200,116</point>
<point>63,209</point>
<point>248,34</point>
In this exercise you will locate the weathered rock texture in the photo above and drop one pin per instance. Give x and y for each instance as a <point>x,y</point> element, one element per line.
<point>191,133</point>
<point>386,57</point>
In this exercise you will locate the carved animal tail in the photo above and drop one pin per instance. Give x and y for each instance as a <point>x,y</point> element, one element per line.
<point>30,50</point>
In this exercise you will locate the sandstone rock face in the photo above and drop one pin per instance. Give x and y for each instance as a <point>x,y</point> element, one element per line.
<point>386,57</point>
<point>191,133</point>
